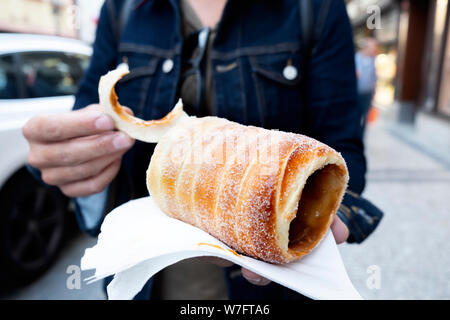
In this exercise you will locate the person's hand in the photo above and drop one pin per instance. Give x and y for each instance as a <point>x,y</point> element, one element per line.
<point>340,233</point>
<point>78,151</point>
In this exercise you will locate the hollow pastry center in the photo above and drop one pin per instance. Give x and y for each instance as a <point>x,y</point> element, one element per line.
<point>319,197</point>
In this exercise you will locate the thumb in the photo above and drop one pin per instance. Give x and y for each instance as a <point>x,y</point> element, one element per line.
<point>254,278</point>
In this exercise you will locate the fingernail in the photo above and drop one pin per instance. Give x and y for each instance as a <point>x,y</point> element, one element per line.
<point>256,281</point>
<point>104,123</point>
<point>253,278</point>
<point>121,141</point>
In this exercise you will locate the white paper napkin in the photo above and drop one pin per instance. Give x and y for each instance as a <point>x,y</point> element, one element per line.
<point>137,240</point>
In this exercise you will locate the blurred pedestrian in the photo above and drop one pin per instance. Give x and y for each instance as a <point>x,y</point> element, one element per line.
<point>366,75</point>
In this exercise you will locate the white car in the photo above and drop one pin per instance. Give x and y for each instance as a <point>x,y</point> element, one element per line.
<point>38,75</point>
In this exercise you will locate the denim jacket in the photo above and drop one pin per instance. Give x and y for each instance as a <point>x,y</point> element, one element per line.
<point>254,43</point>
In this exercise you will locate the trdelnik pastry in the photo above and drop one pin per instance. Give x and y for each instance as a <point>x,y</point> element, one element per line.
<point>268,194</point>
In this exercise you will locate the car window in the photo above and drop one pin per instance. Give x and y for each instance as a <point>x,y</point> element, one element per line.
<point>50,74</point>
<point>8,80</point>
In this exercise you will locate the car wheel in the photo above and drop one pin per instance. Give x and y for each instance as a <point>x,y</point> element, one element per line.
<point>32,228</point>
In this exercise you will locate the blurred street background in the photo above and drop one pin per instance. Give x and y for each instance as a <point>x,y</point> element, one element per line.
<point>407,149</point>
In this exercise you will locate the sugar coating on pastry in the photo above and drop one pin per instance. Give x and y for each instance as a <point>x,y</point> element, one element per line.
<point>269,194</point>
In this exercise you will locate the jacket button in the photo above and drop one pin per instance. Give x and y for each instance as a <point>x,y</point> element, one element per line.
<point>290,72</point>
<point>167,66</point>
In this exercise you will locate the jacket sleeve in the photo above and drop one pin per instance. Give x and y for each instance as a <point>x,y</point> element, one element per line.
<point>333,115</point>
<point>104,57</point>
<point>89,210</point>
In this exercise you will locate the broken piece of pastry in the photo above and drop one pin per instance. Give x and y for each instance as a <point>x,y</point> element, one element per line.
<point>268,194</point>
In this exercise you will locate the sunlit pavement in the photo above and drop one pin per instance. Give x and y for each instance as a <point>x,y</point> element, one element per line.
<point>406,258</point>
<point>411,245</point>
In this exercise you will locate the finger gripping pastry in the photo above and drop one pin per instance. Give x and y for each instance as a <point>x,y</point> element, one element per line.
<point>268,194</point>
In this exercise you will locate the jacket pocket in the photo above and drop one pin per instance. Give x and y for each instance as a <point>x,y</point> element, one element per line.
<point>277,80</point>
<point>134,88</point>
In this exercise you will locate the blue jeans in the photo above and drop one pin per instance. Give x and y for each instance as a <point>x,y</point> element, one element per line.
<point>240,289</point>
<point>144,294</point>
<point>237,286</point>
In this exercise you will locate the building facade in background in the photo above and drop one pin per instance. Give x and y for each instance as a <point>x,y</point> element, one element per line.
<point>66,18</point>
<point>87,12</point>
<point>413,67</point>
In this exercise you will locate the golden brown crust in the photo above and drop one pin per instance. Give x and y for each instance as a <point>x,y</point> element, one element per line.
<point>271,195</point>
<point>244,185</point>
